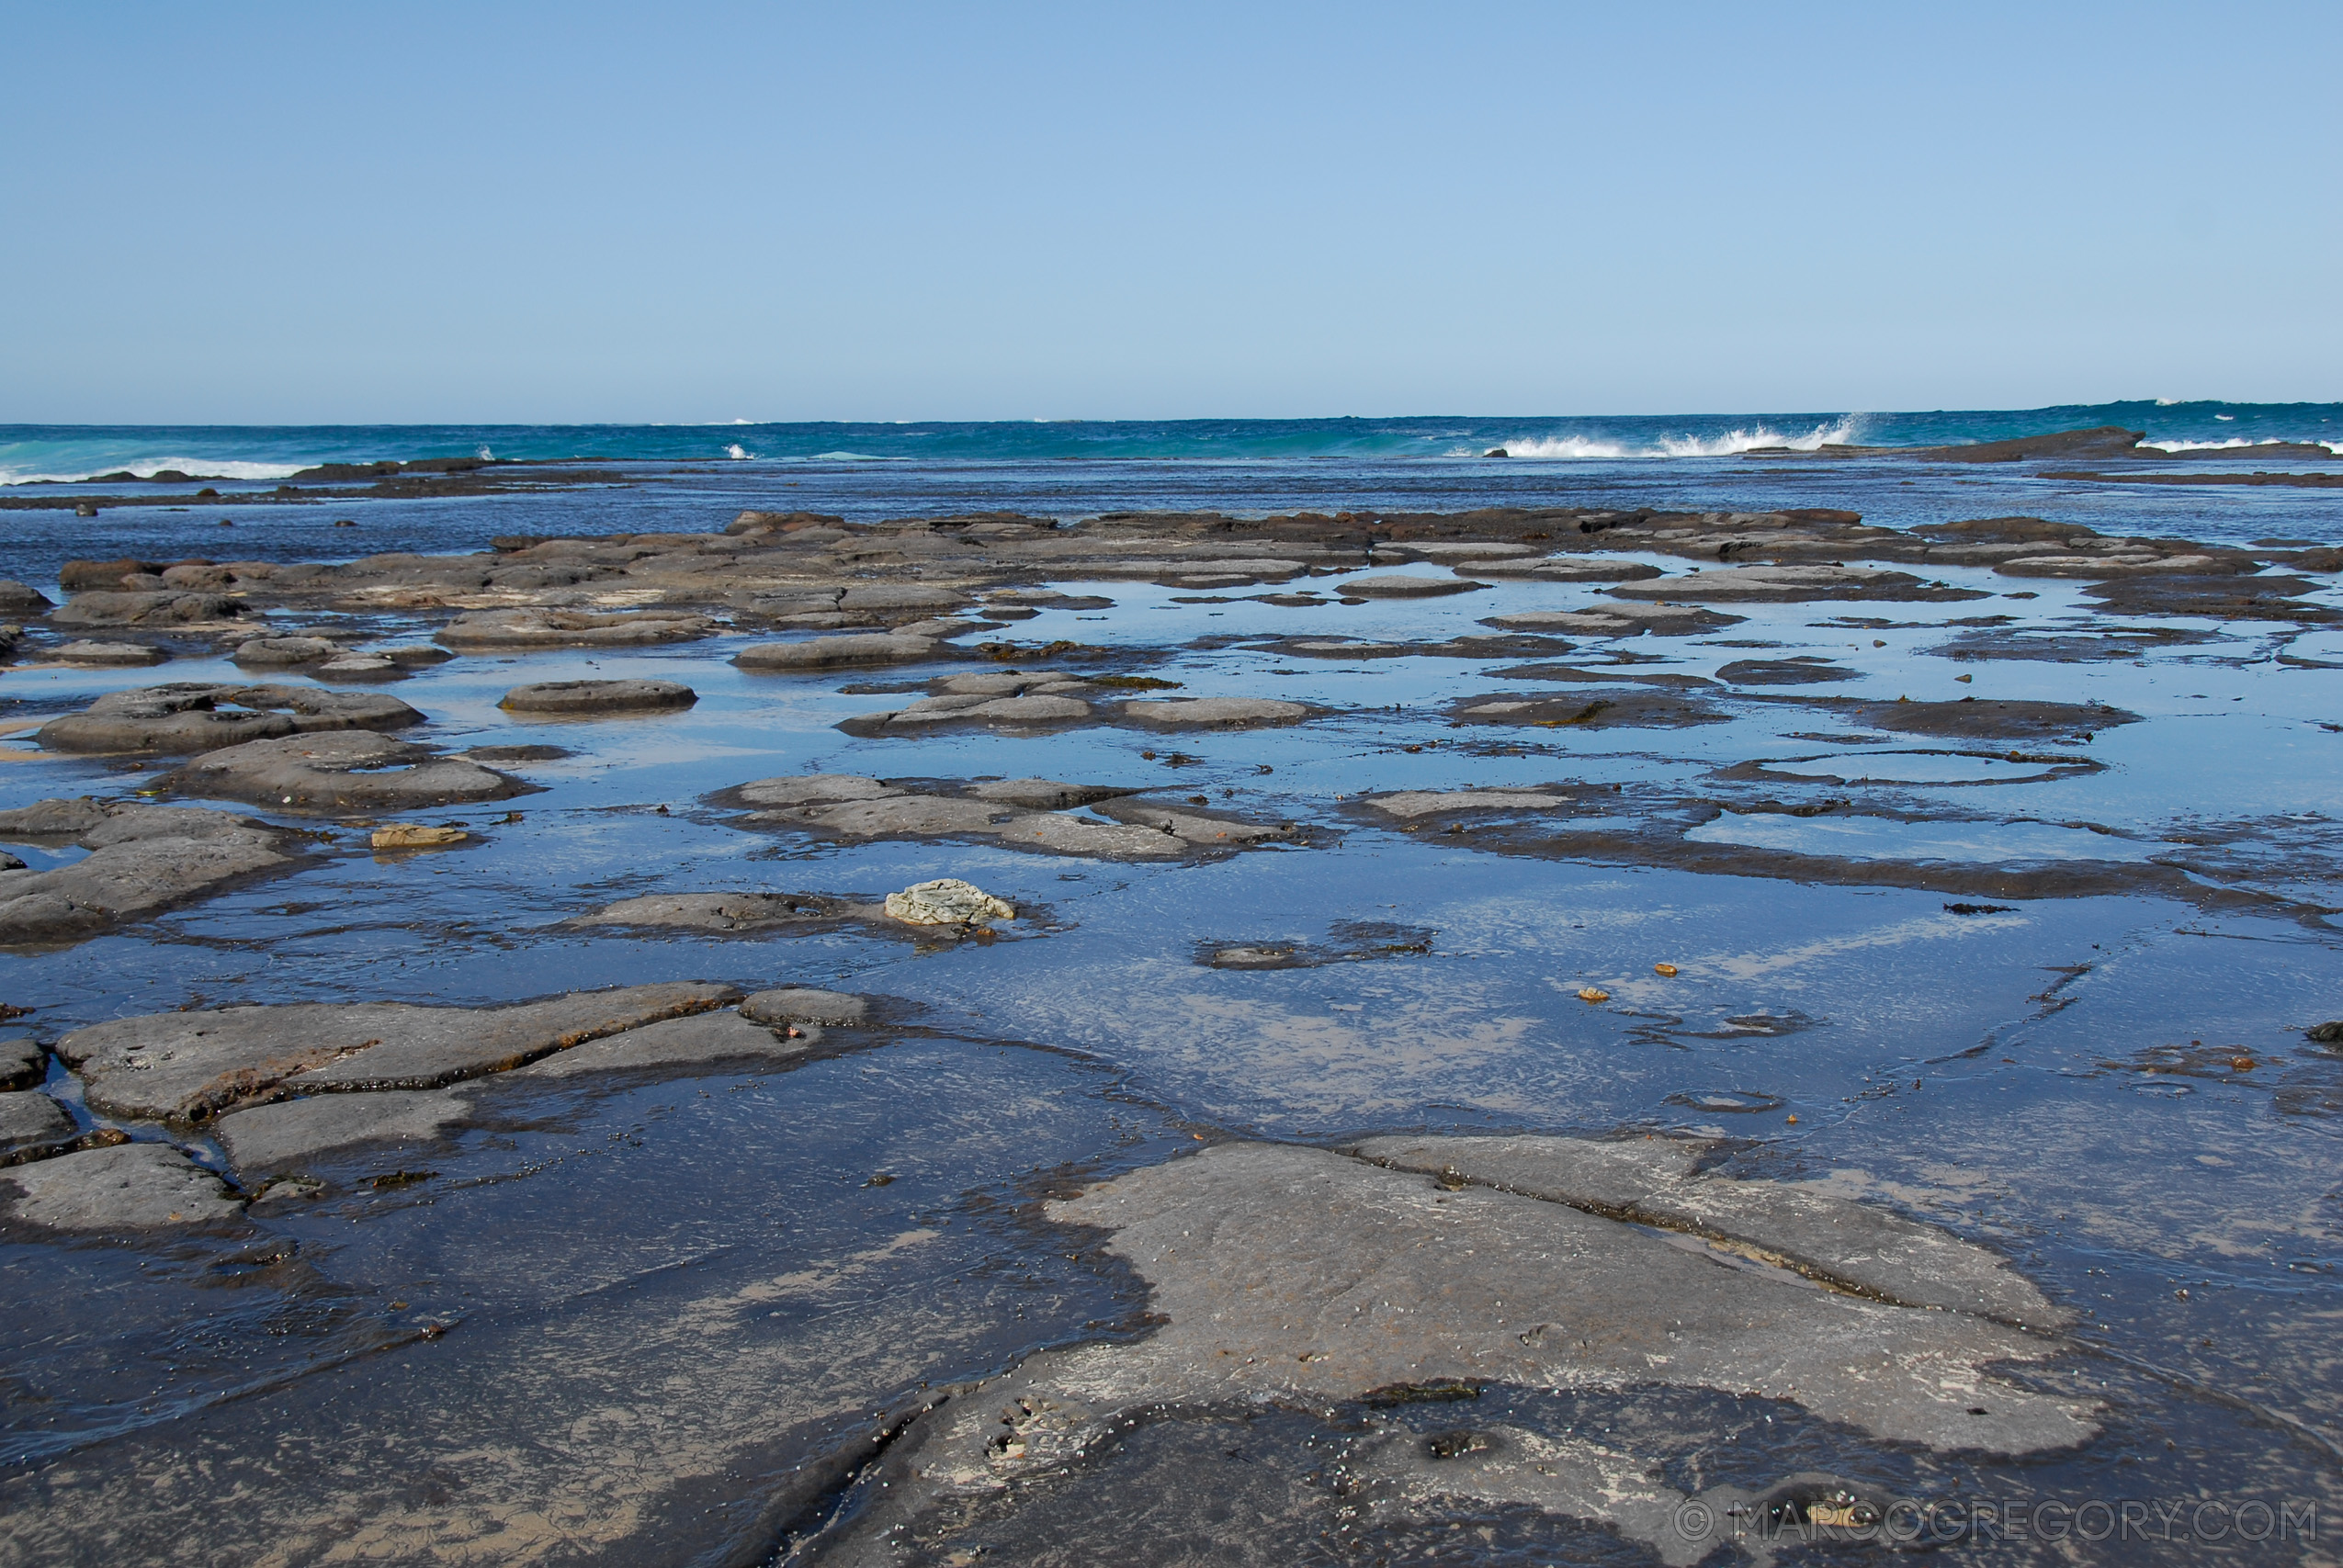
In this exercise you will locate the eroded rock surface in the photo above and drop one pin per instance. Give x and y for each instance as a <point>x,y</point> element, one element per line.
<point>189,718</point>
<point>343,773</point>
<point>494,631</point>
<point>193,1064</point>
<point>142,859</point>
<point>126,1187</point>
<point>1303,1277</point>
<point>850,806</point>
<point>577,699</point>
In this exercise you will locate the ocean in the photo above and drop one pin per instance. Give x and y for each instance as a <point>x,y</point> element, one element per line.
<point>35,453</point>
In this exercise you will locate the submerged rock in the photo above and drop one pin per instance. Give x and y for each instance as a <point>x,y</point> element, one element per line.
<point>579,698</point>
<point>126,1187</point>
<point>266,650</point>
<point>727,911</point>
<point>142,859</point>
<point>348,771</point>
<point>188,716</point>
<point>947,901</point>
<point>193,1064</point>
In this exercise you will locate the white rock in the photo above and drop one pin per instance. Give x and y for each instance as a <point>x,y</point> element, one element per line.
<point>946,901</point>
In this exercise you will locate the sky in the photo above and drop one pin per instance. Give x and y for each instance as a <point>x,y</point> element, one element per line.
<point>261,213</point>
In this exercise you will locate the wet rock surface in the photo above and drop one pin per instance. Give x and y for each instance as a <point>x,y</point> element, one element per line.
<point>143,860</point>
<point>350,772</point>
<point>1681,1076</point>
<point>567,699</point>
<point>187,1066</point>
<point>189,717</point>
<point>1038,815</point>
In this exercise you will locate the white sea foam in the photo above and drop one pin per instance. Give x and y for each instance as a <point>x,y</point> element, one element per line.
<point>738,452</point>
<point>212,467</point>
<point>1839,431</point>
<point>2238,443</point>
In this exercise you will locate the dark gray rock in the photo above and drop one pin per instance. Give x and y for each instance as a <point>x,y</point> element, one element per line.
<point>142,859</point>
<point>499,631</point>
<point>1402,585</point>
<point>23,1062</point>
<point>108,655</point>
<point>187,718</point>
<point>29,1120</point>
<point>126,1187</point>
<point>349,771</point>
<point>727,911</point>
<point>19,599</point>
<point>570,699</point>
<point>285,650</point>
<point>267,1139</point>
<point>1044,795</point>
<point>161,608</point>
<point>794,1004</point>
<point>193,1064</point>
<point>829,652</point>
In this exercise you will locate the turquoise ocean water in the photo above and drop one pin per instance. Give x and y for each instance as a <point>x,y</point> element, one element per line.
<point>249,453</point>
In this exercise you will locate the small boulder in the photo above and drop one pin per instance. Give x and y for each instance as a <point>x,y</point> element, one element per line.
<point>23,1062</point>
<point>947,901</point>
<point>578,699</point>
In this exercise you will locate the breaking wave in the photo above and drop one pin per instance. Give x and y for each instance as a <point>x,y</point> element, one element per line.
<point>206,468</point>
<point>1842,432</point>
<point>2239,443</point>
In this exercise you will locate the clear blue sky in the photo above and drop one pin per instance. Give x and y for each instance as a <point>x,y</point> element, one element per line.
<point>345,213</point>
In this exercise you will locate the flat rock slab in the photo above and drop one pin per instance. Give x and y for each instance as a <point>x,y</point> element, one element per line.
<point>23,1062</point>
<point>572,699</point>
<point>29,1118</point>
<point>161,609</point>
<point>796,1004</point>
<point>1628,707</point>
<point>269,1139</point>
<point>1408,805</point>
<point>1785,672</point>
<point>189,718</point>
<point>109,655</point>
<point>142,859</point>
<point>1986,717</point>
<point>831,652</point>
<point>503,631</point>
<point>194,1065</point>
<point>729,911</point>
<point>1618,620</point>
<point>849,807</point>
<point>1791,584</point>
<point>1228,713</point>
<point>708,1040</point>
<point>353,772</point>
<point>285,650</point>
<point>1300,1277</point>
<point>128,1187</point>
<point>1401,585</point>
<point>1853,1246</point>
